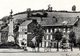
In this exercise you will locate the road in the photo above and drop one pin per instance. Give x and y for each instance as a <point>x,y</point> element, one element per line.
<point>17,52</point>
<point>41,54</point>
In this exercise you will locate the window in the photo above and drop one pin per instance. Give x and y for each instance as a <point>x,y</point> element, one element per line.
<point>24,30</point>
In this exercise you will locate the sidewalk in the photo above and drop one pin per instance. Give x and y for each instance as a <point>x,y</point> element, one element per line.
<point>21,52</point>
<point>11,50</point>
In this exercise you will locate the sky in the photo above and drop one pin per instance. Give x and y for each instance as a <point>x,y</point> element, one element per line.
<point>22,5</point>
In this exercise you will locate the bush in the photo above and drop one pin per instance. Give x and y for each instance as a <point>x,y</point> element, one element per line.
<point>9,45</point>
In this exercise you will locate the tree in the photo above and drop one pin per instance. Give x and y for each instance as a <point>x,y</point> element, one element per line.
<point>73,8</point>
<point>28,12</point>
<point>58,37</point>
<point>5,18</point>
<point>50,8</point>
<point>78,42</point>
<point>38,32</point>
<point>72,38</point>
<point>16,33</point>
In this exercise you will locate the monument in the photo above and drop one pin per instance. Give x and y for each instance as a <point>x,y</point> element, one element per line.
<point>10,25</point>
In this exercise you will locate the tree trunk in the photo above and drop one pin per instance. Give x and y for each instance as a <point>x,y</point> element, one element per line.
<point>38,47</point>
<point>71,47</point>
<point>57,45</point>
<point>79,47</point>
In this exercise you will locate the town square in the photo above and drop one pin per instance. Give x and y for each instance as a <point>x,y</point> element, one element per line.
<point>42,30</point>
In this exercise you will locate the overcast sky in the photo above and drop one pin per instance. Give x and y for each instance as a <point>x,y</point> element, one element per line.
<point>22,5</point>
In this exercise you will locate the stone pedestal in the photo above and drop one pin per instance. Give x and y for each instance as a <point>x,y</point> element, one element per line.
<point>10,39</point>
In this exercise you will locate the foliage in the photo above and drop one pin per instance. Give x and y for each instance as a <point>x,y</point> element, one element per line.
<point>72,37</point>
<point>9,45</point>
<point>39,15</point>
<point>16,33</point>
<point>16,28</point>
<point>64,40</point>
<point>73,8</point>
<point>36,30</point>
<point>15,36</point>
<point>5,18</point>
<point>78,41</point>
<point>58,35</point>
<point>28,12</point>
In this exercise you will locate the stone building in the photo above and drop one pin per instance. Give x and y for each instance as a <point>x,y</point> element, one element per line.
<point>50,26</point>
<point>4,34</point>
<point>64,20</point>
<point>23,31</point>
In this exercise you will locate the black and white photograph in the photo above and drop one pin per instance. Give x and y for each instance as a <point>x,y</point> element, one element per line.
<point>39,27</point>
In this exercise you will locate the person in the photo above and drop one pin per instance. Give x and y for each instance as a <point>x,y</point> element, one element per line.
<point>64,44</point>
<point>24,43</point>
<point>50,45</point>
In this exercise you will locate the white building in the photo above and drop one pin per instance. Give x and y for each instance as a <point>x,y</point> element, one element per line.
<point>23,31</point>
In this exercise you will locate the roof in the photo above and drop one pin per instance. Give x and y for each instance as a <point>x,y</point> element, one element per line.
<point>37,18</point>
<point>26,22</point>
<point>52,22</point>
<point>63,14</point>
<point>70,17</point>
<point>20,16</point>
<point>5,29</point>
<point>1,22</point>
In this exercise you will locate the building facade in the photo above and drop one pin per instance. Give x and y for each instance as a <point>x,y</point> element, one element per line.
<point>4,35</point>
<point>23,31</point>
<point>65,21</point>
